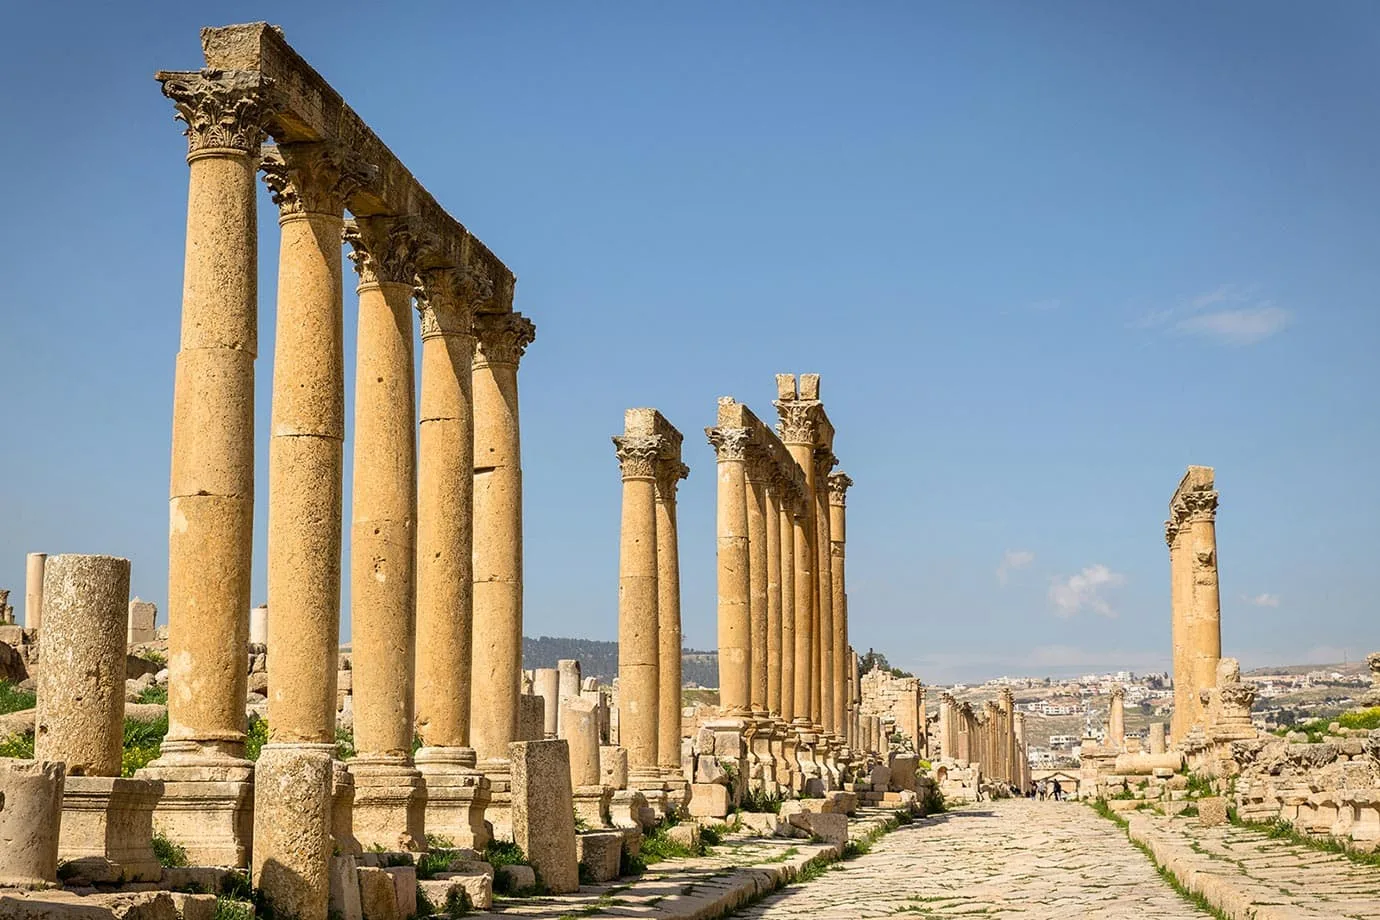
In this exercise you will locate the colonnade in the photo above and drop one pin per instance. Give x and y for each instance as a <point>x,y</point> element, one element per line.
<point>435,564</point>
<point>993,737</point>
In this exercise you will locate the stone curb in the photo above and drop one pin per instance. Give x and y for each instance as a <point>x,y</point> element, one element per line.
<point>716,897</point>
<point>1230,893</point>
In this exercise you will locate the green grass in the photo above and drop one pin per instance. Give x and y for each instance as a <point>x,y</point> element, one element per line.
<point>21,746</point>
<point>711,835</point>
<point>1316,729</point>
<point>657,845</point>
<point>169,854</point>
<point>12,699</point>
<point>228,908</point>
<point>1283,830</point>
<point>1197,900</point>
<point>153,694</point>
<point>433,863</point>
<point>142,743</point>
<point>758,801</point>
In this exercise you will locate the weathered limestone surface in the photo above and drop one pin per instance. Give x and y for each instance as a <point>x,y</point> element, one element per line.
<point>292,840</point>
<point>30,818</point>
<point>33,589</point>
<point>1191,535</point>
<point>543,811</point>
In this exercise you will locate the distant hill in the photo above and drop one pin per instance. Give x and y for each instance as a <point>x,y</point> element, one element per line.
<point>1350,667</point>
<point>600,659</point>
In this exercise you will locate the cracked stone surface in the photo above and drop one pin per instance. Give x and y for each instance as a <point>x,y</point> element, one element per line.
<point>1043,860</point>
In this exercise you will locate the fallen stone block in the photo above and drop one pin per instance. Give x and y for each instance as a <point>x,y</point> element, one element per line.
<point>687,835</point>
<point>544,812</point>
<point>1212,811</point>
<point>404,888</point>
<point>344,892</point>
<point>476,878</point>
<point>600,854</point>
<point>830,828</point>
<point>708,800</point>
<point>198,906</point>
<point>377,895</point>
<point>514,879</point>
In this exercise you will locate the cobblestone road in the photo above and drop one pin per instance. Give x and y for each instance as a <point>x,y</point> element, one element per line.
<point>1039,860</point>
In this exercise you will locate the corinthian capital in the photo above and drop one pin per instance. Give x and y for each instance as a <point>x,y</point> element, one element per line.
<point>384,250</point>
<point>669,473</point>
<point>798,421</point>
<point>444,309</point>
<point>824,462</point>
<point>223,109</point>
<point>313,178</point>
<point>838,487</point>
<point>637,454</point>
<point>1118,692</point>
<point>503,338</point>
<point>729,443</point>
<point>1171,532</point>
<point>1201,505</point>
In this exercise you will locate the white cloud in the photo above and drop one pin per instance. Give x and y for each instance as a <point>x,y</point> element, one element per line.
<point>1230,314</point>
<point>1011,560</point>
<point>1264,599</point>
<point>1073,594</point>
<point>1245,326</point>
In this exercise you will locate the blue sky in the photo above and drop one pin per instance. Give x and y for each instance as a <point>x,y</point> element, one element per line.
<point>1044,256</point>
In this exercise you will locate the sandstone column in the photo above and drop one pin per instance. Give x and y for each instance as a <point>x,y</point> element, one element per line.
<point>638,635</point>
<point>1204,634</point>
<point>1116,719</point>
<point>786,499</point>
<point>824,462</point>
<point>33,590</point>
<point>1156,737</point>
<point>838,487</point>
<point>389,794</point>
<point>668,474</point>
<point>80,716</point>
<point>1008,717</point>
<point>735,649</point>
<point>501,340</point>
<point>456,793</point>
<point>755,497</point>
<point>206,800</point>
<point>799,419</point>
<point>309,183</point>
<point>771,525</point>
<point>546,683</point>
<point>948,728</point>
<point>804,618</point>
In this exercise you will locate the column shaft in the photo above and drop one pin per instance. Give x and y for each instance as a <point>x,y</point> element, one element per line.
<point>838,484</point>
<point>804,626</point>
<point>1180,600</point>
<point>734,585</point>
<point>771,525</point>
<point>755,497</point>
<point>786,564</point>
<point>824,570</point>
<point>668,622</point>
<point>1205,626</point>
<point>638,639</point>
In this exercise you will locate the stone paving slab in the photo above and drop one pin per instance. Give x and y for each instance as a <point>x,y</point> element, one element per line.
<point>1038,860</point>
<point>736,872</point>
<point>1249,875</point>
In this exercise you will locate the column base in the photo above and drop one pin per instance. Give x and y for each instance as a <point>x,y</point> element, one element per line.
<point>342,810</point>
<point>109,820</point>
<point>390,803</point>
<point>292,827</point>
<point>456,795</point>
<point>649,782</point>
<point>627,808</point>
<point>811,781</point>
<point>677,790</point>
<point>207,805</point>
<point>498,813</point>
<point>592,806</point>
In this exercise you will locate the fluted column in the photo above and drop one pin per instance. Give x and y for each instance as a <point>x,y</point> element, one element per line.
<point>638,641</point>
<point>755,498</point>
<point>457,794</point>
<point>838,484</point>
<point>389,796</point>
<point>668,474</point>
<point>497,652</point>
<point>735,640</point>
<point>207,790</point>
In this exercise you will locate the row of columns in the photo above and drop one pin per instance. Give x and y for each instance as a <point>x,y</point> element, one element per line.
<point>649,629</point>
<point>994,738</point>
<point>435,566</point>
<point>1191,535</point>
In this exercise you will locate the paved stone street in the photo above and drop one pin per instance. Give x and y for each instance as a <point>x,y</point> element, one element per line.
<point>1042,860</point>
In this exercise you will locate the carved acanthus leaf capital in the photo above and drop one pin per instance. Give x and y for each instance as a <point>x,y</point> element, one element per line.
<point>444,310</point>
<point>947,698</point>
<point>223,109</point>
<point>1239,695</point>
<point>313,178</point>
<point>503,337</point>
<point>798,421</point>
<point>730,444</point>
<point>669,473</point>
<point>839,484</point>
<point>1171,532</point>
<point>824,462</point>
<point>638,454</point>
<point>1201,505</point>
<point>1118,693</point>
<point>384,249</point>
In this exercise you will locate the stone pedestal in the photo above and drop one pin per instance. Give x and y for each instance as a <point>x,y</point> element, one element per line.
<point>457,795</point>
<point>390,803</point>
<point>207,805</point>
<point>292,828</point>
<point>627,808</point>
<point>30,822</point>
<point>592,804</point>
<point>111,818</point>
<point>343,840</point>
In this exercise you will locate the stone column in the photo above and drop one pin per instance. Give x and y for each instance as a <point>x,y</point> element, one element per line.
<point>1022,764</point>
<point>80,716</point>
<point>309,183</point>
<point>804,616</point>
<point>389,798</point>
<point>501,340</point>
<point>668,474</point>
<point>755,498</point>
<point>735,649</point>
<point>1204,633</point>
<point>567,685</point>
<point>1178,611</point>
<point>785,500</point>
<point>838,484</point>
<point>33,590</point>
<point>638,639</point>
<point>456,793</point>
<point>1156,737</point>
<point>207,792</point>
<point>1008,716</point>
<point>824,462</point>
<point>771,525</point>
<point>1116,719</point>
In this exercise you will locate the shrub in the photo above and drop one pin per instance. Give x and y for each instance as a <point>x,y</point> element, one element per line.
<point>344,743</point>
<point>21,746</point>
<point>154,694</point>
<point>12,699</point>
<point>255,738</point>
<point>759,801</point>
<point>169,854</point>
<point>457,904</point>
<point>143,742</point>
